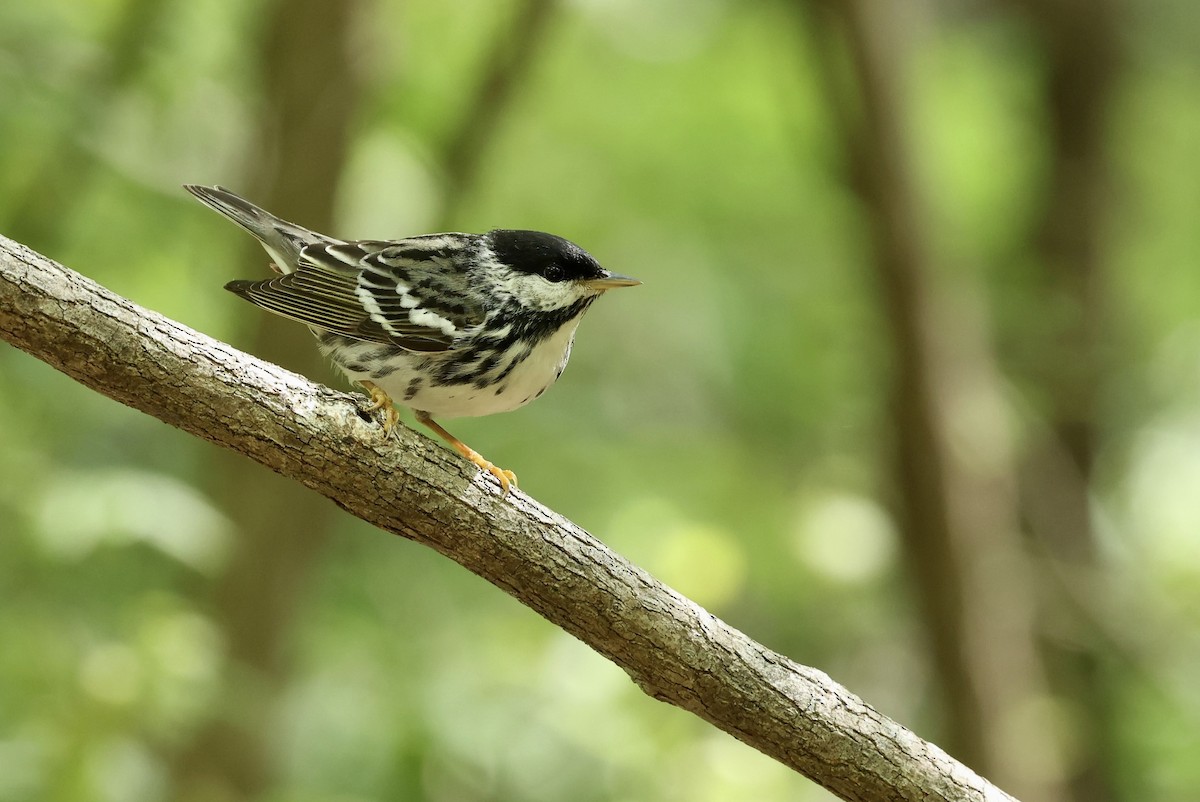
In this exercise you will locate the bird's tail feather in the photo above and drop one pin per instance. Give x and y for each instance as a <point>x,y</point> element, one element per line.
<point>281,239</point>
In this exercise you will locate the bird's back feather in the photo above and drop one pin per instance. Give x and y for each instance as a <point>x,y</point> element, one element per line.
<point>357,290</point>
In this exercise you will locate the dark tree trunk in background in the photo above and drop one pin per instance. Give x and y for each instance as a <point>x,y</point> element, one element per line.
<point>952,466</point>
<point>310,100</point>
<point>1063,345</point>
<point>506,67</point>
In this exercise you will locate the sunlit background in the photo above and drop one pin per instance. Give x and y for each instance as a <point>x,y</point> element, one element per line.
<point>911,392</point>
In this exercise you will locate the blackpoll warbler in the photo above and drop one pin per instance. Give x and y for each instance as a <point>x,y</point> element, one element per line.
<point>451,325</point>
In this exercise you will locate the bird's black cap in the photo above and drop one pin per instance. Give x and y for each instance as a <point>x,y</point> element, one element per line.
<point>545,254</point>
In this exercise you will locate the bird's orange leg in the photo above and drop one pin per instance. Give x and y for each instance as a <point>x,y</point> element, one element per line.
<point>505,478</point>
<point>382,401</point>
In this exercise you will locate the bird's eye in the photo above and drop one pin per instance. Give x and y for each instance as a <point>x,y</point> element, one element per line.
<point>554,273</point>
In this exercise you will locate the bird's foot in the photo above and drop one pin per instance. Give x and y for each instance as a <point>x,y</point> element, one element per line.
<point>380,400</point>
<point>507,479</point>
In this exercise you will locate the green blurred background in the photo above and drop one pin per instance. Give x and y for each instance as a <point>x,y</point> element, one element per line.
<point>911,392</point>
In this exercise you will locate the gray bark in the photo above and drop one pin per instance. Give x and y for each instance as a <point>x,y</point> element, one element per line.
<point>672,648</point>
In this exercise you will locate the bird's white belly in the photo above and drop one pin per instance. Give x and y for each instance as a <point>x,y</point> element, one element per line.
<point>525,382</point>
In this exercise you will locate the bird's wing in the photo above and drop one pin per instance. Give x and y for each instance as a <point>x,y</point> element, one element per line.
<point>409,293</point>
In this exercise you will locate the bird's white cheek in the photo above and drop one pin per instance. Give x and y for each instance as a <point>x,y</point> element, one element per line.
<point>542,295</point>
<point>559,298</point>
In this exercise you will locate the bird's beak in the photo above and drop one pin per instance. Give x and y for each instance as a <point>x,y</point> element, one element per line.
<point>610,281</point>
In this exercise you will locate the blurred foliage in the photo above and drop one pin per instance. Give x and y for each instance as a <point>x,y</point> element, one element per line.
<point>721,425</point>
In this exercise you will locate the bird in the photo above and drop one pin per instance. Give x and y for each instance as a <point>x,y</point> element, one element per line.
<point>449,325</point>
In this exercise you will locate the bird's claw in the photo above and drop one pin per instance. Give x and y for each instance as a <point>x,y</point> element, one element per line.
<point>507,479</point>
<point>381,401</point>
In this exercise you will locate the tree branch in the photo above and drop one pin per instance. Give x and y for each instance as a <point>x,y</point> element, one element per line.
<point>673,649</point>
